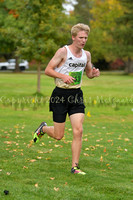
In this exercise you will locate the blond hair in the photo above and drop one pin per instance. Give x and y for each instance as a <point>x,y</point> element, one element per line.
<point>79,27</point>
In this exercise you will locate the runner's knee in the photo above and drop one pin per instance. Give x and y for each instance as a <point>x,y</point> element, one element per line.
<point>78,131</point>
<point>59,135</point>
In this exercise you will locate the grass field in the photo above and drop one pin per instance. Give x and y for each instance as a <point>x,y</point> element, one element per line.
<point>42,171</point>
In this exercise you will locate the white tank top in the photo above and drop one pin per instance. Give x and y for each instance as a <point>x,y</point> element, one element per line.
<point>74,67</point>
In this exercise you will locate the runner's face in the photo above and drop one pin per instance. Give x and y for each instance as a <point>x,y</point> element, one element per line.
<point>80,39</point>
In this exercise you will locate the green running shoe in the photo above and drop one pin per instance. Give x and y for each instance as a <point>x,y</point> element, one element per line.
<point>77,170</point>
<point>39,133</point>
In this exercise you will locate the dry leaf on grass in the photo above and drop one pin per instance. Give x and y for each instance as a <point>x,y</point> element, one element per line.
<point>52,178</point>
<point>86,154</point>
<point>48,158</point>
<point>126,139</point>
<point>39,157</point>
<point>31,143</point>
<point>33,160</point>
<point>56,189</point>
<point>87,149</point>
<point>36,185</point>
<point>101,159</point>
<point>8,173</point>
<point>24,167</point>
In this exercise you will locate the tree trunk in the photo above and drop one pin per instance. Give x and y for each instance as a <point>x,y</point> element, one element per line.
<point>17,69</point>
<point>129,66</point>
<point>38,78</point>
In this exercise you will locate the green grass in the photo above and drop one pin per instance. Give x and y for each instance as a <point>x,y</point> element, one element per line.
<point>43,170</point>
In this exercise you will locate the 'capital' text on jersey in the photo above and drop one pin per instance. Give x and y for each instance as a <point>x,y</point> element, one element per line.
<point>77,65</point>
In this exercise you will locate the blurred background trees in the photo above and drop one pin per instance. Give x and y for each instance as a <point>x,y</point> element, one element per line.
<point>124,34</point>
<point>111,37</point>
<point>34,30</point>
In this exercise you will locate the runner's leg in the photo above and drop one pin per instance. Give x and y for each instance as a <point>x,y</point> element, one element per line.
<point>56,131</point>
<point>76,121</point>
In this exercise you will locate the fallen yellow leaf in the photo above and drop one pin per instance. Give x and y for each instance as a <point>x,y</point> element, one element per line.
<point>52,178</point>
<point>97,140</point>
<point>17,131</point>
<point>101,159</point>
<point>39,157</point>
<point>24,167</point>
<point>47,158</point>
<point>86,154</point>
<point>40,152</point>
<point>126,150</point>
<point>33,160</point>
<point>109,168</point>
<point>56,145</point>
<point>36,185</point>
<point>126,139</point>
<point>8,142</point>
<point>86,139</point>
<point>56,189</point>
<point>86,149</point>
<point>110,140</point>
<point>8,173</point>
<point>29,145</point>
<point>88,114</point>
<point>16,126</point>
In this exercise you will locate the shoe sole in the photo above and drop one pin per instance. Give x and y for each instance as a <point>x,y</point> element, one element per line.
<point>36,131</point>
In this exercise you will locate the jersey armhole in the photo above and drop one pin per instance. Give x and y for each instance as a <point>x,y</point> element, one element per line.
<point>67,52</point>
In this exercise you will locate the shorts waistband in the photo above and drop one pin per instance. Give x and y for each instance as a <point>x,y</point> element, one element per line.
<point>64,89</point>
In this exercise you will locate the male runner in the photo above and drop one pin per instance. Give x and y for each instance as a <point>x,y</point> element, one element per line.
<point>67,67</point>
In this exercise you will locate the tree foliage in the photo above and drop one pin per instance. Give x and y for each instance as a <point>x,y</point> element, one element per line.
<point>36,29</point>
<point>42,26</point>
<point>111,23</point>
<point>44,30</point>
<point>103,23</point>
<point>124,34</point>
<point>82,11</point>
<point>7,45</point>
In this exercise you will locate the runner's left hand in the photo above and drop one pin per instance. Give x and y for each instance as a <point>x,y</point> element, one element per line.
<point>95,72</point>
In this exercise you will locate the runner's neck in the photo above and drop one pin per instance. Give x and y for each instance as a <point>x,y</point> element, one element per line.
<point>75,51</point>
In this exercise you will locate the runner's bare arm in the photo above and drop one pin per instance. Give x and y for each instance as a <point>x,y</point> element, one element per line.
<point>91,71</point>
<point>58,58</point>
